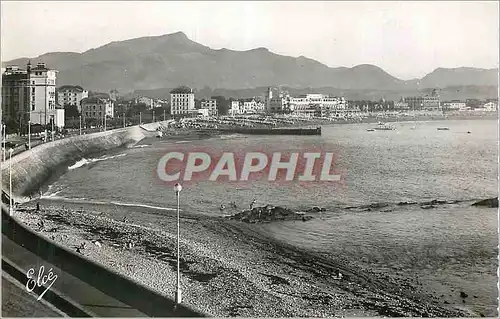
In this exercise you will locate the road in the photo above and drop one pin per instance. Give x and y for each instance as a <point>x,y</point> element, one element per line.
<point>16,302</point>
<point>92,300</point>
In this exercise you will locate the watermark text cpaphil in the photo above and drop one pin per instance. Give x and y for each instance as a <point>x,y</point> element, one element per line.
<point>303,166</point>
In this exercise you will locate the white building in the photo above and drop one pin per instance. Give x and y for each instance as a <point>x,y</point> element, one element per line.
<point>317,105</point>
<point>42,83</point>
<point>211,105</point>
<point>235,108</point>
<point>204,112</point>
<point>249,106</point>
<point>454,105</point>
<point>72,95</point>
<point>490,107</point>
<point>182,101</point>
<point>150,102</point>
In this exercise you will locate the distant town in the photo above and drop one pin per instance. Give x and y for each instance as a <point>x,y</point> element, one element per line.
<point>33,100</point>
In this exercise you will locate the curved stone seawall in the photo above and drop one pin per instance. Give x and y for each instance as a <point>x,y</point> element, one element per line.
<point>31,169</point>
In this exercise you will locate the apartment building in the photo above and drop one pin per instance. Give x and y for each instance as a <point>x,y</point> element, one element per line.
<point>30,96</point>
<point>211,105</point>
<point>71,95</point>
<point>182,101</point>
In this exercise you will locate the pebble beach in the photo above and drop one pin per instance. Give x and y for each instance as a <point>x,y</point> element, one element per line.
<point>229,268</point>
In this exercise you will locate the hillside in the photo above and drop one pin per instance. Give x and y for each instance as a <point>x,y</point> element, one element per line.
<point>441,77</point>
<point>167,61</point>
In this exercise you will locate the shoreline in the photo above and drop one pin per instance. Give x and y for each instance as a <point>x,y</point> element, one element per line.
<point>224,263</point>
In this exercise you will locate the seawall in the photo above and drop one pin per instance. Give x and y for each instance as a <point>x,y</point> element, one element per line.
<point>271,131</point>
<point>31,169</point>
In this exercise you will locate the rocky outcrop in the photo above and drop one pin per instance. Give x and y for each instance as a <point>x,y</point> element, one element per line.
<point>268,214</point>
<point>316,209</point>
<point>490,202</point>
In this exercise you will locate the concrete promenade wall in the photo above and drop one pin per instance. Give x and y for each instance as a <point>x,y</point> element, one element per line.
<point>33,168</point>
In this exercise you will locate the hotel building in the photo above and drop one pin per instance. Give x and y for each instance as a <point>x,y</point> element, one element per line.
<point>30,95</point>
<point>182,101</point>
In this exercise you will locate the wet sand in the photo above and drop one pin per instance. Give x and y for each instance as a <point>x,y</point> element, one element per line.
<point>230,268</point>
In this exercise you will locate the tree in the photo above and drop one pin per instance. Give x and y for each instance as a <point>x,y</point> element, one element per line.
<point>135,109</point>
<point>71,111</point>
<point>222,104</point>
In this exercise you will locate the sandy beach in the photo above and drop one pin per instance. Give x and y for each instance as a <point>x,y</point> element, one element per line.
<point>229,268</point>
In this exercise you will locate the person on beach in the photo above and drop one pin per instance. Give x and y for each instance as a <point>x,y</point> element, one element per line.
<point>222,207</point>
<point>37,206</point>
<point>233,204</point>
<point>253,203</point>
<point>40,225</point>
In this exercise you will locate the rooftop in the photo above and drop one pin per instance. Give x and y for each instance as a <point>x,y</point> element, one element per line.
<point>94,100</point>
<point>71,87</point>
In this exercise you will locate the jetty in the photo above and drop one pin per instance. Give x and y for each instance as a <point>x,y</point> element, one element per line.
<point>270,131</point>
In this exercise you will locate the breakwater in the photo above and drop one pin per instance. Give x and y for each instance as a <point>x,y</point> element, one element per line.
<point>33,168</point>
<point>271,131</point>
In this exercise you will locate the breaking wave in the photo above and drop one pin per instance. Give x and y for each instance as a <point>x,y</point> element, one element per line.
<point>85,161</point>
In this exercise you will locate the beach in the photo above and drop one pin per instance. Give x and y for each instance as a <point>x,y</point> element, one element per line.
<point>229,268</point>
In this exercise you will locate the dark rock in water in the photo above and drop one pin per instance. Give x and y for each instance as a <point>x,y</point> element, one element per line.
<point>463,294</point>
<point>316,209</point>
<point>378,205</point>
<point>434,202</point>
<point>427,206</point>
<point>406,203</point>
<point>268,213</point>
<point>490,202</point>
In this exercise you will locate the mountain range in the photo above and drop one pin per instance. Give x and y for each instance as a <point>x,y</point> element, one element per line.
<point>167,61</point>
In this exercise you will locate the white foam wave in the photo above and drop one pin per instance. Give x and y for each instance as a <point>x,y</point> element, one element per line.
<point>143,205</point>
<point>50,195</point>
<point>85,161</point>
<point>180,142</point>
<point>95,202</point>
<point>141,146</point>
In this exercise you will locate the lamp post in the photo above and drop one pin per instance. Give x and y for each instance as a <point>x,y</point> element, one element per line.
<point>163,115</point>
<point>11,201</point>
<point>29,133</point>
<point>4,143</point>
<point>178,295</point>
<point>52,127</point>
<point>140,117</point>
<point>153,116</point>
<point>80,125</point>
<point>123,119</point>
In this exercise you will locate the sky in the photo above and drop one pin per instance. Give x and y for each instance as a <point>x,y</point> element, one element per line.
<point>406,39</point>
